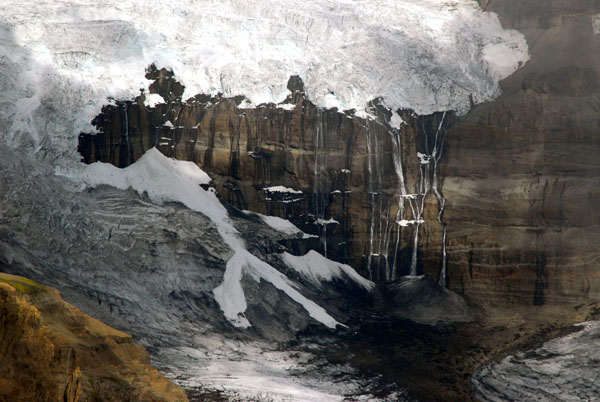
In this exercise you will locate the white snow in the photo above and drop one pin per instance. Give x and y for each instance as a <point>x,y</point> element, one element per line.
<point>62,59</point>
<point>502,58</point>
<point>153,99</point>
<point>329,221</point>
<point>404,222</point>
<point>168,124</point>
<point>281,225</point>
<point>396,121</point>
<point>165,179</point>
<point>424,159</point>
<point>318,268</point>
<point>596,24</point>
<point>246,104</point>
<point>286,106</point>
<point>282,189</point>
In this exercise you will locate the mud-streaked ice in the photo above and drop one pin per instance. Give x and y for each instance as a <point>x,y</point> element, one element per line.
<point>563,369</point>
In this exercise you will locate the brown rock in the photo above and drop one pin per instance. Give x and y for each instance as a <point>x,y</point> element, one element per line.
<point>51,351</point>
<point>519,176</point>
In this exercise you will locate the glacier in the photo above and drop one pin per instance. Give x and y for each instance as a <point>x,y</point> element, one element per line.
<point>62,60</point>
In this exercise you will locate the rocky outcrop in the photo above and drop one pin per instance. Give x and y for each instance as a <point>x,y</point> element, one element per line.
<point>51,351</point>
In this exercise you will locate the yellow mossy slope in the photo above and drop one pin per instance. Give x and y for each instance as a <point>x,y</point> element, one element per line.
<point>51,351</point>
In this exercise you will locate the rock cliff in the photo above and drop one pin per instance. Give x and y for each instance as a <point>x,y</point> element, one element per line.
<point>499,204</point>
<point>51,351</point>
<point>521,173</point>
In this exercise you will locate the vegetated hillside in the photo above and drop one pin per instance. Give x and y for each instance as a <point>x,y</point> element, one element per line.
<point>51,351</point>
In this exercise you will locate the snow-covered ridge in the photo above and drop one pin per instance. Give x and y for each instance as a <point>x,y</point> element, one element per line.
<point>62,59</point>
<point>164,179</point>
<point>317,269</point>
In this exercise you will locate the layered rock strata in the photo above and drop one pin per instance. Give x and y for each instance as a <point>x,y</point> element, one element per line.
<point>371,192</point>
<point>522,173</point>
<point>511,196</point>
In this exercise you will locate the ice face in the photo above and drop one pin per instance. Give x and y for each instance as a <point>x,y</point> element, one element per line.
<point>61,60</point>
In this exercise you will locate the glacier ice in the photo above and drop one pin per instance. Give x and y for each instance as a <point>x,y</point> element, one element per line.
<point>61,60</point>
<point>164,179</point>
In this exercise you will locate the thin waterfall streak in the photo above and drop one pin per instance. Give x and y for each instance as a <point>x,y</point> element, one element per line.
<point>382,219</point>
<point>325,239</point>
<point>318,167</point>
<point>127,140</point>
<point>388,236</point>
<point>443,277</point>
<point>372,192</point>
<point>435,146</point>
<point>394,264</point>
<point>413,261</point>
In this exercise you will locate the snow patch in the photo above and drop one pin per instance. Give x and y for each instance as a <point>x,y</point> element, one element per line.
<point>246,104</point>
<point>318,268</point>
<point>596,24</point>
<point>396,121</point>
<point>281,189</point>
<point>153,99</point>
<point>282,225</point>
<point>502,58</point>
<point>329,221</point>
<point>286,106</point>
<point>404,222</point>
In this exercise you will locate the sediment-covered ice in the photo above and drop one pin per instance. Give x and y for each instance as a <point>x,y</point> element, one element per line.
<point>563,369</point>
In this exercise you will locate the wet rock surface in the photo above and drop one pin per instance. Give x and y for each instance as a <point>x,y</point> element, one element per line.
<point>352,179</point>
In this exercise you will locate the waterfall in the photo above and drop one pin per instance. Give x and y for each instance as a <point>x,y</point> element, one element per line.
<point>436,157</point>
<point>402,196</point>
<point>319,183</point>
<point>429,155</point>
<point>127,139</point>
<point>372,195</point>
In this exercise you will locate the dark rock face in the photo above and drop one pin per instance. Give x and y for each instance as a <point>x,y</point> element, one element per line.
<point>354,179</point>
<point>522,173</point>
